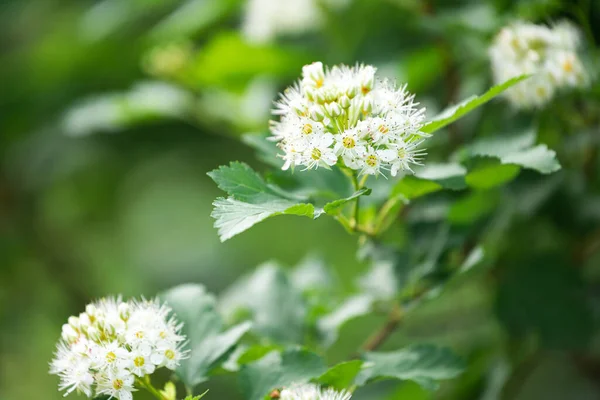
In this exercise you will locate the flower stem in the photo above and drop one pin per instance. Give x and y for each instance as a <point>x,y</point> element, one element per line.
<point>356,213</point>
<point>146,384</point>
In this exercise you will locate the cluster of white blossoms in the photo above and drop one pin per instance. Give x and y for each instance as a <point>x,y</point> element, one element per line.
<point>104,349</point>
<point>312,392</point>
<point>549,54</point>
<point>346,115</point>
<point>264,20</point>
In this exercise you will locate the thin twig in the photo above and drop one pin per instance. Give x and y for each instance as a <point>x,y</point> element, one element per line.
<point>381,335</point>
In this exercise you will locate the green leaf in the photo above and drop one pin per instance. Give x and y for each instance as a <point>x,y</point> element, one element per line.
<point>423,364</point>
<point>190,397</point>
<point>208,344</point>
<point>233,217</point>
<point>277,370</point>
<point>538,158</point>
<point>276,307</point>
<point>491,175</point>
<point>411,187</point>
<point>341,376</point>
<point>449,176</point>
<point>472,207</point>
<point>335,207</point>
<point>457,111</point>
<point>330,324</point>
<point>515,149</point>
<point>253,200</point>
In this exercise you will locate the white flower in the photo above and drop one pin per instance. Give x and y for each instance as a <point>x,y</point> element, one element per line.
<point>140,362</point>
<point>318,152</point>
<point>118,384</point>
<point>547,53</point>
<point>102,349</point>
<point>400,155</point>
<point>312,392</point>
<point>346,112</point>
<point>263,20</point>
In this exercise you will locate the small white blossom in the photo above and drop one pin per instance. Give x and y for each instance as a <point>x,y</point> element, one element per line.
<point>347,115</point>
<point>102,350</point>
<point>312,392</point>
<point>548,53</point>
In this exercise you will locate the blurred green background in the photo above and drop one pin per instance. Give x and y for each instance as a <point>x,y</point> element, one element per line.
<point>112,112</point>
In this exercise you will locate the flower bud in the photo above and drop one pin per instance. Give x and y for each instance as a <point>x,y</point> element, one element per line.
<point>320,97</point>
<point>366,105</point>
<point>69,334</point>
<point>91,310</point>
<point>314,72</point>
<point>93,333</point>
<point>352,91</point>
<point>317,114</point>
<point>124,311</point>
<point>344,102</point>
<point>333,109</point>
<point>74,322</point>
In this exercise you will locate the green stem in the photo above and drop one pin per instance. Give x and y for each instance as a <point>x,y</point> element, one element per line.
<point>146,384</point>
<point>356,213</point>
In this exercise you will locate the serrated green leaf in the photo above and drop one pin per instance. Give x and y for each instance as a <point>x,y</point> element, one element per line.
<point>190,397</point>
<point>491,175</point>
<point>276,307</point>
<point>455,112</point>
<point>277,370</point>
<point>515,149</point>
<point>208,344</point>
<point>253,200</point>
<point>233,217</point>
<point>335,207</point>
<point>341,376</point>
<point>423,364</point>
<point>411,187</point>
<point>449,176</point>
<point>539,158</point>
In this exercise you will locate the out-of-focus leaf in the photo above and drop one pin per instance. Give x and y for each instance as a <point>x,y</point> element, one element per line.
<point>472,207</point>
<point>277,370</point>
<point>491,175</point>
<point>455,112</point>
<point>380,281</point>
<point>229,61</point>
<point>450,176</point>
<point>145,102</point>
<point>515,149</point>
<point>423,364</point>
<point>208,345</point>
<point>411,187</point>
<point>341,376</point>
<point>311,274</point>
<point>539,158</point>
<point>353,307</point>
<point>276,307</point>
<point>192,16</point>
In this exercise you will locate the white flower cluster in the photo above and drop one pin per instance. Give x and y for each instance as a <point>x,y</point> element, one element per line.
<point>264,20</point>
<point>104,349</point>
<point>548,53</point>
<point>345,114</point>
<point>312,392</point>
